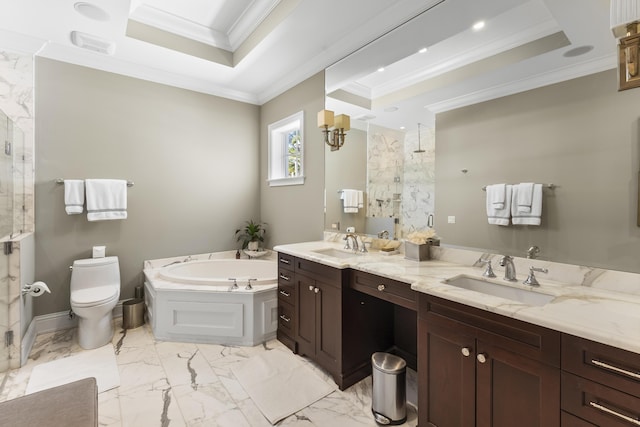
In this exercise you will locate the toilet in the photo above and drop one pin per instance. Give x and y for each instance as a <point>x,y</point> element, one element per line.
<point>95,289</point>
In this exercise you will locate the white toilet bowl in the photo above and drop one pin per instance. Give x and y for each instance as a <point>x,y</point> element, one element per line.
<point>95,289</point>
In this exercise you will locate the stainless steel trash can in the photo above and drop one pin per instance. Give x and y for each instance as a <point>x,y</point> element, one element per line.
<point>132,313</point>
<point>389,398</point>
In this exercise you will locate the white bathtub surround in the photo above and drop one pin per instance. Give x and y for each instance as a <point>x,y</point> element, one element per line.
<point>188,301</point>
<point>596,304</point>
<point>191,384</point>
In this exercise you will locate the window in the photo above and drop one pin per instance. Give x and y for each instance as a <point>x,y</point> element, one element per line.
<point>286,142</point>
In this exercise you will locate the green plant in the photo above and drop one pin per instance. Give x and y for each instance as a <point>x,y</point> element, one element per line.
<point>251,232</point>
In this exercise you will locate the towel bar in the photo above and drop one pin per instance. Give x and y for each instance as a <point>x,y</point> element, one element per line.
<point>549,186</point>
<point>61,181</point>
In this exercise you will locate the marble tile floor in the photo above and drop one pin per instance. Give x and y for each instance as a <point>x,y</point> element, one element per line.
<point>169,384</point>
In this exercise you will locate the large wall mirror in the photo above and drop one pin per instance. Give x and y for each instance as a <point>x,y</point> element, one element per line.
<point>501,91</point>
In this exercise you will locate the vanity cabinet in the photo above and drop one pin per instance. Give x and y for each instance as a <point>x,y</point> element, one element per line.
<point>481,369</point>
<point>600,384</point>
<point>322,318</point>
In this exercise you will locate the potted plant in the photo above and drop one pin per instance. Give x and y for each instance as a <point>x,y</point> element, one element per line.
<point>251,235</point>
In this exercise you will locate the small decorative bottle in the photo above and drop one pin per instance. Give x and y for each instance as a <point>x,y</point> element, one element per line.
<point>238,254</point>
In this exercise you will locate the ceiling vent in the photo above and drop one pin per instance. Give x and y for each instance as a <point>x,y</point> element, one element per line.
<point>91,42</point>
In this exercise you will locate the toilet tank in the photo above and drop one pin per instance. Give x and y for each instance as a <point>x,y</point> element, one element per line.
<point>92,272</point>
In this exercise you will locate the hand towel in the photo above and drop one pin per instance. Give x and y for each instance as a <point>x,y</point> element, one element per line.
<point>352,200</point>
<point>496,194</point>
<point>527,218</point>
<point>500,216</point>
<point>525,196</point>
<point>106,199</point>
<point>73,196</point>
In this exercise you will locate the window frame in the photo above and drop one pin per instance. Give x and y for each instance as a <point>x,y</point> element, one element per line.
<point>277,166</point>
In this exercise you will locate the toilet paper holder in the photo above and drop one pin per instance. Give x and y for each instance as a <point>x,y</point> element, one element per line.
<point>35,289</point>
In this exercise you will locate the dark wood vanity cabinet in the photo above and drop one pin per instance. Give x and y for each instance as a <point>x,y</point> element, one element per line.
<point>322,318</point>
<point>480,369</point>
<point>600,384</point>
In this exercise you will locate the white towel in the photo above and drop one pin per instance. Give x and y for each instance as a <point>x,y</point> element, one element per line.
<point>525,197</point>
<point>527,218</point>
<point>106,199</point>
<point>73,196</point>
<point>352,200</point>
<point>500,216</point>
<point>496,195</point>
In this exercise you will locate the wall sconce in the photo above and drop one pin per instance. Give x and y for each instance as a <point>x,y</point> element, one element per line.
<point>340,124</point>
<point>624,18</point>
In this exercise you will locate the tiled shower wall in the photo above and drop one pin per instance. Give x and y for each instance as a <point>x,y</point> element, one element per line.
<point>401,182</point>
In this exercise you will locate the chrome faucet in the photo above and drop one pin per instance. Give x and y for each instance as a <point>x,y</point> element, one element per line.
<point>509,269</point>
<point>355,241</point>
<point>533,252</point>
<point>488,272</point>
<point>234,286</point>
<point>531,278</point>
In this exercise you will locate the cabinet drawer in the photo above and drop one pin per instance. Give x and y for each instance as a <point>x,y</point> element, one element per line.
<point>286,261</point>
<point>285,277</point>
<point>286,293</point>
<point>619,369</point>
<point>599,404</point>
<point>285,318</point>
<point>399,293</point>
<point>317,271</point>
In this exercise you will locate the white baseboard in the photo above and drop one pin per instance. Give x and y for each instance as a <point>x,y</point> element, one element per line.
<point>51,323</point>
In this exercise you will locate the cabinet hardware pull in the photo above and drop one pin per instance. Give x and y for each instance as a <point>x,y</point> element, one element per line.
<point>284,261</point>
<point>285,318</point>
<point>614,413</point>
<point>310,287</point>
<point>283,277</point>
<point>465,351</point>
<point>316,290</point>
<point>381,288</point>
<point>482,358</point>
<point>286,294</point>
<point>631,374</point>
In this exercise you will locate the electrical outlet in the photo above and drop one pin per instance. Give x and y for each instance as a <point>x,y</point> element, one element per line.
<point>451,219</point>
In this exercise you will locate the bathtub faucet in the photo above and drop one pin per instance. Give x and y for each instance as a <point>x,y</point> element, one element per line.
<point>249,287</point>
<point>235,284</point>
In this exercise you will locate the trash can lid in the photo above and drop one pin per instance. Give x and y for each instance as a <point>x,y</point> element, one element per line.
<point>388,363</point>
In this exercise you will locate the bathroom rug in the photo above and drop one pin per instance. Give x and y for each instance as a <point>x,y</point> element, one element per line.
<point>279,384</point>
<point>99,363</point>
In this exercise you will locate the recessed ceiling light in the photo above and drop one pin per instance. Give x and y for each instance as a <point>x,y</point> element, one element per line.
<point>577,51</point>
<point>91,11</point>
<point>381,69</point>
<point>423,50</point>
<point>478,25</point>
<point>402,128</point>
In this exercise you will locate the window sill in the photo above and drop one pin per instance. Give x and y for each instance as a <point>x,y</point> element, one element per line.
<point>280,182</point>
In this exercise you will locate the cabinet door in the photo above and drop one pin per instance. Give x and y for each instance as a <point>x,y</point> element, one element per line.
<point>446,372</point>
<point>513,390</point>
<point>305,315</point>
<point>328,321</point>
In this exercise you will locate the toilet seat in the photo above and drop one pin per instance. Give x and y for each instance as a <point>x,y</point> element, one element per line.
<point>94,296</point>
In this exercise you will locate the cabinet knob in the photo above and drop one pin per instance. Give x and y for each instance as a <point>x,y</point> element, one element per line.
<point>316,290</point>
<point>310,287</point>
<point>381,287</point>
<point>482,358</point>
<point>465,351</point>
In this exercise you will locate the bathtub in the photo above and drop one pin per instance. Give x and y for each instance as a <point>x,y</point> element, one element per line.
<point>192,299</point>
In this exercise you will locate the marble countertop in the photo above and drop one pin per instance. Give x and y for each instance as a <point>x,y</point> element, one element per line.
<point>595,304</point>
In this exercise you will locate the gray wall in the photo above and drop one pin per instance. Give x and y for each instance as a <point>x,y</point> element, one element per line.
<point>346,168</point>
<point>581,135</point>
<point>295,213</point>
<point>194,159</point>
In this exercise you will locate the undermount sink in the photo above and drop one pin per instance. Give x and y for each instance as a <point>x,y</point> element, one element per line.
<point>485,286</point>
<point>336,253</point>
